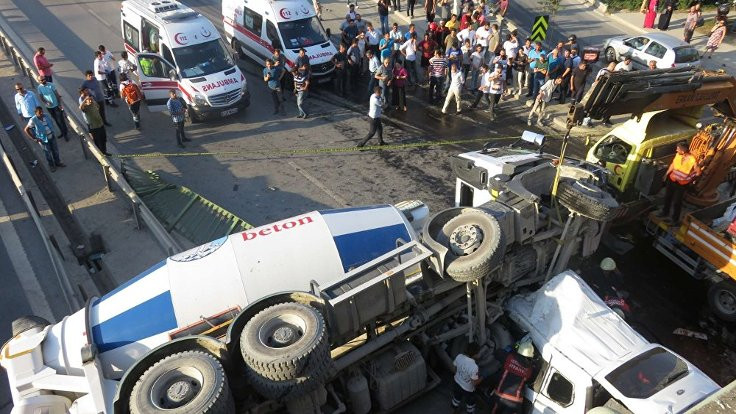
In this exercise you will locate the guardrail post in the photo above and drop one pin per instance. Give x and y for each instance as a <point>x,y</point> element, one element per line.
<point>137,214</point>
<point>106,173</point>
<point>84,147</point>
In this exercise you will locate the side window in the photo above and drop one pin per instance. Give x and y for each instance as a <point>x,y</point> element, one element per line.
<point>252,21</point>
<point>639,43</point>
<point>559,390</point>
<point>131,36</point>
<point>150,36</point>
<point>153,67</point>
<point>273,35</point>
<point>656,50</point>
<point>166,52</point>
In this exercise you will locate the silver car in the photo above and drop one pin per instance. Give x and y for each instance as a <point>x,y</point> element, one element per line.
<point>667,51</point>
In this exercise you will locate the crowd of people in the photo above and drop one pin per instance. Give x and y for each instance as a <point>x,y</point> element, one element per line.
<point>694,19</point>
<point>99,89</point>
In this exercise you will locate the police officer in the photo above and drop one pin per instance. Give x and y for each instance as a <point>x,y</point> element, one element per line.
<point>517,370</point>
<point>679,175</point>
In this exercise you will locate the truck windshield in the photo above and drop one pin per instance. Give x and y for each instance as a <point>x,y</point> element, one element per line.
<point>302,33</point>
<point>613,149</point>
<point>648,373</point>
<point>203,59</point>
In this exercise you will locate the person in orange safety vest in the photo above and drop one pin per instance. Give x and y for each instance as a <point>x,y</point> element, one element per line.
<point>679,175</point>
<point>517,370</point>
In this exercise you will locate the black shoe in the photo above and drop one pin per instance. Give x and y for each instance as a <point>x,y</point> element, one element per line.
<point>361,145</point>
<point>137,125</point>
<point>66,138</point>
<point>381,143</point>
<point>107,124</point>
<point>61,165</point>
<point>305,116</point>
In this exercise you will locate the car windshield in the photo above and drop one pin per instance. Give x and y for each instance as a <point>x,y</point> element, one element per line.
<point>203,59</point>
<point>302,33</point>
<point>648,373</point>
<point>686,55</point>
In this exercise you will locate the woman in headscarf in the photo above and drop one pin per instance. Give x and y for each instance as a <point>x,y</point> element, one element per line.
<point>649,8</point>
<point>664,18</point>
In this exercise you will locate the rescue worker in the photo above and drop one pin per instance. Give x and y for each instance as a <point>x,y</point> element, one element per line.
<point>132,95</point>
<point>517,370</point>
<point>679,175</point>
<point>466,378</point>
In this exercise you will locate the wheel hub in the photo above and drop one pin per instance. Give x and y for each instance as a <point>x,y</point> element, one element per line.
<point>727,302</point>
<point>284,335</point>
<point>466,239</point>
<point>180,391</point>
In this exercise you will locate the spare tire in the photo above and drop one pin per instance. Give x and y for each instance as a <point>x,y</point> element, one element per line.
<point>183,383</point>
<point>587,200</point>
<point>286,350</point>
<point>475,242</point>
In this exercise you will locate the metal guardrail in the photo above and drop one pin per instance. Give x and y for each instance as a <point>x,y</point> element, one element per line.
<point>110,171</point>
<point>70,297</point>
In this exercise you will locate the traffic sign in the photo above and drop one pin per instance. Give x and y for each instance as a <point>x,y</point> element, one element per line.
<point>539,28</point>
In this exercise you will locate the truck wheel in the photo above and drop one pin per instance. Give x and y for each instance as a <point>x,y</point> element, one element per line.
<point>237,48</point>
<point>28,322</point>
<point>183,383</point>
<point>722,300</point>
<point>475,244</point>
<point>587,200</point>
<point>285,347</point>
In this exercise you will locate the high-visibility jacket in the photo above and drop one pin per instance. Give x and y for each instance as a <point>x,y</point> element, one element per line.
<point>683,169</point>
<point>517,370</point>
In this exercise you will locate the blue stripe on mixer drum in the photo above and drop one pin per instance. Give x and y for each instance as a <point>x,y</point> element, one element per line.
<point>147,319</point>
<point>358,248</point>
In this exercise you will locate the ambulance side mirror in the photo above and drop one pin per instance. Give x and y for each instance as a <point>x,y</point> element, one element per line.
<point>173,75</point>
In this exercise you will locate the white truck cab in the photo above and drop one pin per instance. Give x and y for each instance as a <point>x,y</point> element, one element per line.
<point>254,28</point>
<point>175,47</point>
<point>590,357</point>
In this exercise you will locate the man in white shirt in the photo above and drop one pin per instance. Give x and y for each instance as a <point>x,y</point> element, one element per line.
<point>398,38</point>
<point>409,50</point>
<point>372,37</point>
<point>624,66</point>
<point>467,33</point>
<point>109,59</point>
<point>543,98</point>
<point>496,84</point>
<point>375,108</point>
<point>101,70</point>
<point>481,35</point>
<point>466,378</point>
<point>373,64</point>
<point>456,86</point>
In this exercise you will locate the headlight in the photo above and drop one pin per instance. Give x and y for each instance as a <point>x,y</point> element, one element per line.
<point>200,100</point>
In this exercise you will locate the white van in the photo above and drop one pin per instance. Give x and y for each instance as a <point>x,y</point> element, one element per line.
<point>175,47</point>
<point>256,27</point>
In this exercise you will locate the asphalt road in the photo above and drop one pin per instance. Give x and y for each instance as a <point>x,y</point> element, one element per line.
<point>29,284</point>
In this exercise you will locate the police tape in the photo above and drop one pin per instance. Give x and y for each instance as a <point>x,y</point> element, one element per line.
<point>312,151</point>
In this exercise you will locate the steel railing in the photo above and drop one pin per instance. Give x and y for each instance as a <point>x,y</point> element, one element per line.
<point>110,171</point>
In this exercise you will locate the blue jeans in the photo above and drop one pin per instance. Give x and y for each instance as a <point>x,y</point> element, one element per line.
<point>384,24</point>
<point>51,151</point>
<point>300,96</point>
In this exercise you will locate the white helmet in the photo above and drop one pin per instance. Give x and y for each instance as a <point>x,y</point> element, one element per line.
<point>526,349</point>
<point>608,265</point>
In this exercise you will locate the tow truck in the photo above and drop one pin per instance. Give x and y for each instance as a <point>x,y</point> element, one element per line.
<point>302,314</point>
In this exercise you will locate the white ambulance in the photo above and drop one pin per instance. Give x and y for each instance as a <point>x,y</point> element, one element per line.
<point>255,28</point>
<point>175,47</point>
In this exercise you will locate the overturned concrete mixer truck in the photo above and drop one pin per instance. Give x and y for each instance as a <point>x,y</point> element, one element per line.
<point>304,313</point>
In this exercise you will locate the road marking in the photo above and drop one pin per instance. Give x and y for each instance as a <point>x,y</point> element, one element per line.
<point>341,201</point>
<point>24,215</point>
<point>97,16</point>
<point>26,276</point>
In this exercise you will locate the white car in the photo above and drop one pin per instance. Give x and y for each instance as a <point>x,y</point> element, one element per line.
<point>667,51</point>
<point>593,358</point>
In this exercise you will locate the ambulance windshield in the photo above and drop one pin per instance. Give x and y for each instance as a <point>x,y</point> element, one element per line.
<point>203,59</point>
<point>302,33</point>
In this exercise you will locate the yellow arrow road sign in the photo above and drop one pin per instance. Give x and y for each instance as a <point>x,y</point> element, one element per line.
<point>539,28</point>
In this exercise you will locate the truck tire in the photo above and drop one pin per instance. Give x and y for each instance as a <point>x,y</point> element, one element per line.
<point>611,55</point>
<point>183,383</point>
<point>587,200</point>
<point>286,350</point>
<point>28,322</point>
<point>722,300</point>
<point>475,243</point>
